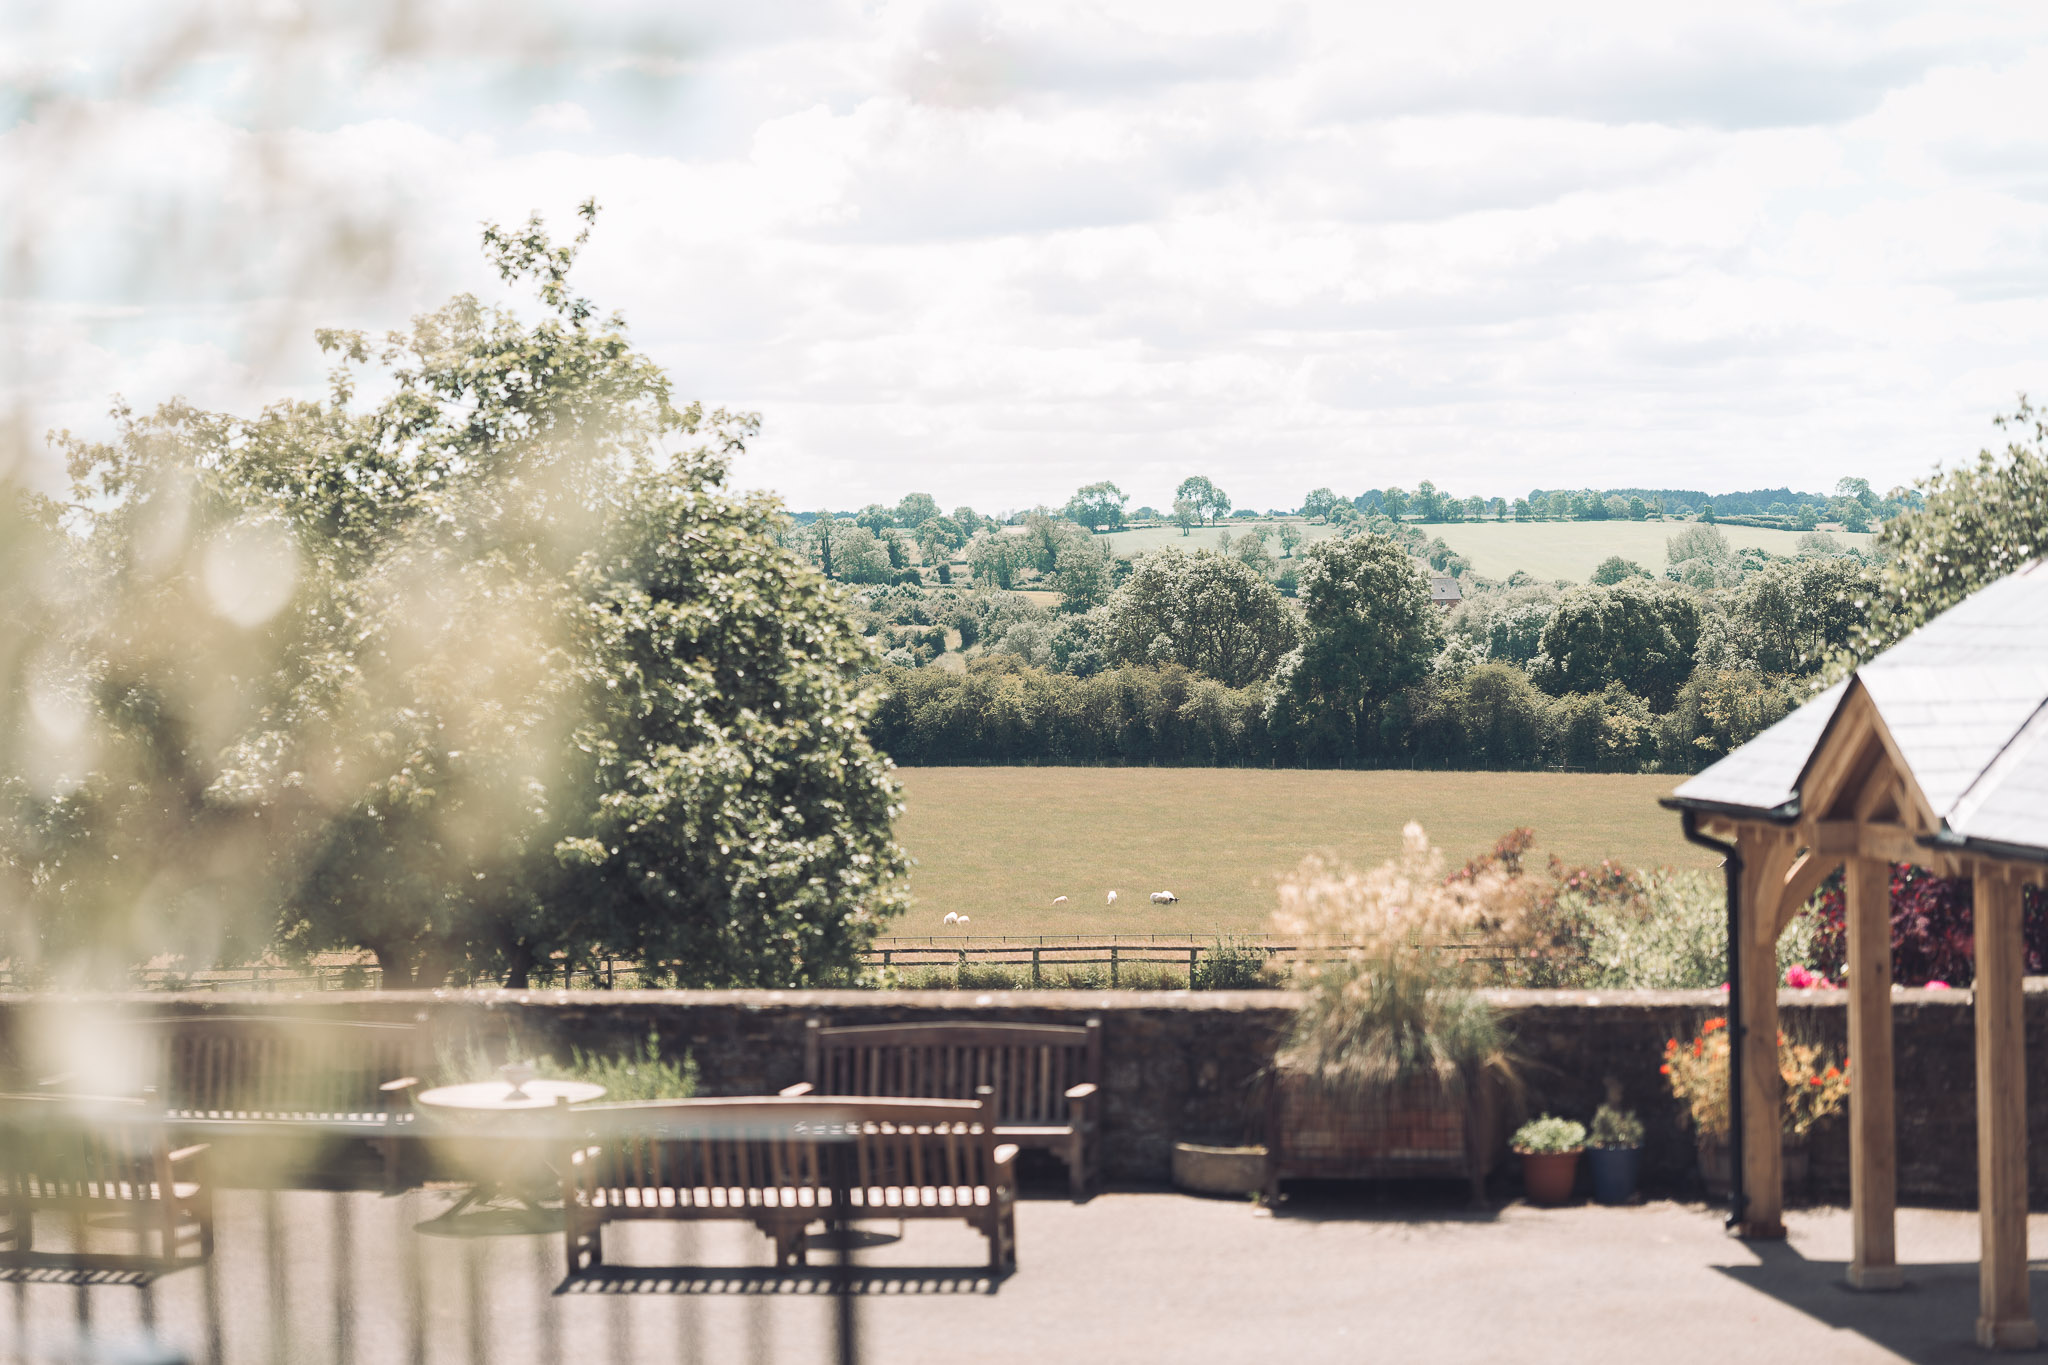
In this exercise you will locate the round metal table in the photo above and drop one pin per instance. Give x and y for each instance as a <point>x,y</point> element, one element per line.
<point>503,1097</point>
<point>492,1110</point>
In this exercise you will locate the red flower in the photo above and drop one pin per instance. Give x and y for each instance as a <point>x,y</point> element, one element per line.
<point>1665,1069</point>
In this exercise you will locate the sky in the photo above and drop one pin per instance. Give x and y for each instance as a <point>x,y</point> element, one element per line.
<point>997,251</point>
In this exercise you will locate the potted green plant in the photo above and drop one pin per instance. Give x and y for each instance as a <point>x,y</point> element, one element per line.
<point>1697,1071</point>
<point>1614,1151</point>
<point>1549,1148</point>
<point>1395,1065</point>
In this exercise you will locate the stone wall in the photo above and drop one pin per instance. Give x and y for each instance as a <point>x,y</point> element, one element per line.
<point>1186,1064</point>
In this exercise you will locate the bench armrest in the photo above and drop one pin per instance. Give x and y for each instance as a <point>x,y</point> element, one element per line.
<point>1005,1153</point>
<point>188,1153</point>
<point>800,1088</point>
<point>1086,1090</point>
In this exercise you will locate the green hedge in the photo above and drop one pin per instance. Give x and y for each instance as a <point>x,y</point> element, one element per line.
<point>1002,711</point>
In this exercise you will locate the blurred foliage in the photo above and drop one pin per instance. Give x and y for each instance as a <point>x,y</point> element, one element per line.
<point>1975,524</point>
<point>490,669</point>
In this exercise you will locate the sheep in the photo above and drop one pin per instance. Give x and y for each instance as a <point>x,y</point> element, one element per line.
<point>952,918</point>
<point>1164,898</point>
<point>1112,898</point>
<point>963,919</point>
<point>1059,900</point>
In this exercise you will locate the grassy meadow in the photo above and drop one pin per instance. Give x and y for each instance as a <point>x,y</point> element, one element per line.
<point>999,843</point>
<point>1547,549</point>
<point>1573,549</point>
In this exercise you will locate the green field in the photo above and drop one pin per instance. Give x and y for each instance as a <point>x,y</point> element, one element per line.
<point>1573,549</point>
<point>999,843</point>
<point>1547,549</point>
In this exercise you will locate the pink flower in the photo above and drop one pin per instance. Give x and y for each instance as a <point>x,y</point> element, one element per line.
<point>1934,986</point>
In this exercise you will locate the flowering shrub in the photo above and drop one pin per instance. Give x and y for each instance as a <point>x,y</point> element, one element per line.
<point>1932,935</point>
<point>1698,1074</point>
<point>1607,927</point>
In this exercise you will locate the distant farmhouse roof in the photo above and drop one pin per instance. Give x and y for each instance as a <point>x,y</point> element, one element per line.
<point>1961,707</point>
<point>1444,592</point>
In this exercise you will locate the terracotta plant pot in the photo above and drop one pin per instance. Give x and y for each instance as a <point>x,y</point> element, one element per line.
<point>1547,1177</point>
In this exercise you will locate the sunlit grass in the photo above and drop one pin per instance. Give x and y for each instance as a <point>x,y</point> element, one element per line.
<point>1000,843</point>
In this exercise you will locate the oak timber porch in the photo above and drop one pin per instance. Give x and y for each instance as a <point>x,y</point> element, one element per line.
<point>1935,753</point>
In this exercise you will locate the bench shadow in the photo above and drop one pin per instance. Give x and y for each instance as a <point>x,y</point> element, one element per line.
<point>1930,1321</point>
<point>51,1267</point>
<point>803,1282</point>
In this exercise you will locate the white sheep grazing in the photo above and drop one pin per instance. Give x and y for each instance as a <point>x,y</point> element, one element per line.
<point>952,918</point>
<point>1059,900</point>
<point>1164,898</point>
<point>963,919</point>
<point>1112,898</point>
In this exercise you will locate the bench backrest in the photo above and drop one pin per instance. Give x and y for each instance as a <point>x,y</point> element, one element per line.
<point>255,1065</point>
<point>1029,1067</point>
<point>746,1147</point>
<point>81,1151</point>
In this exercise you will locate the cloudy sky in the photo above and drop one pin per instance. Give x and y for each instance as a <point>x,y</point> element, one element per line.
<point>996,251</point>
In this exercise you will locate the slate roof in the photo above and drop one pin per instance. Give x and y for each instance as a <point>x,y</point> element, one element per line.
<point>1965,698</point>
<point>1443,590</point>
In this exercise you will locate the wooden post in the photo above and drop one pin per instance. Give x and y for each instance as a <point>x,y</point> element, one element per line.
<point>1873,1141</point>
<point>1763,1101</point>
<point>2005,1317</point>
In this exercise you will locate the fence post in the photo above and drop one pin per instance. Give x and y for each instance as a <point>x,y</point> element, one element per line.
<point>887,954</point>
<point>1112,966</point>
<point>1034,968</point>
<point>1194,951</point>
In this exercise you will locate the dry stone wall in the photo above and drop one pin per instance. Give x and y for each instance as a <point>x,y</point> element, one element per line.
<point>1187,1065</point>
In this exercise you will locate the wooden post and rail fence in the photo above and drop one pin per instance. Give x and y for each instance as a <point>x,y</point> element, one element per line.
<point>1045,955</point>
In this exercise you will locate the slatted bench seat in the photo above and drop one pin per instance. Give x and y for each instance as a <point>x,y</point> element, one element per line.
<point>1046,1078</point>
<point>771,1162</point>
<point>90,1157</point>
<point>270,1076</point>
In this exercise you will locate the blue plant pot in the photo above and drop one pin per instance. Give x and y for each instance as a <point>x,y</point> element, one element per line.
<point>1614,1171</point>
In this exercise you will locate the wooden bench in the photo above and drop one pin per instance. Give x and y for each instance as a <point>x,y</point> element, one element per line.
<point>92,1156</point>
<point>777,1163</point>
<point>269,1076</point>
<point>1047,1078</point>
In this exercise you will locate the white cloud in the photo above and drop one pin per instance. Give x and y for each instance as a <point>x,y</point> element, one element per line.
<point>564,117</point>
<point>999,251</point>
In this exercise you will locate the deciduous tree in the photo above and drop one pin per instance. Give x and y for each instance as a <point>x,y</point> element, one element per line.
<point>491,669</point>
<point>1098,506</point>
<point>1368,630</point>
<point>1202,611</point>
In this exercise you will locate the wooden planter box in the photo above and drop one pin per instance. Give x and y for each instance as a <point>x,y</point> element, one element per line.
<point>1416,1129</point>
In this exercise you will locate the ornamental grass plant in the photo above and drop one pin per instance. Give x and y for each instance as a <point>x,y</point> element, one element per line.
<point>1698,1071</point>
<point>1389,983</point>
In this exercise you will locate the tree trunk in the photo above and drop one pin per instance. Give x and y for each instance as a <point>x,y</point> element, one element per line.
<point>518,974</point>
<point>396,967</point>
<point>434,962</point>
